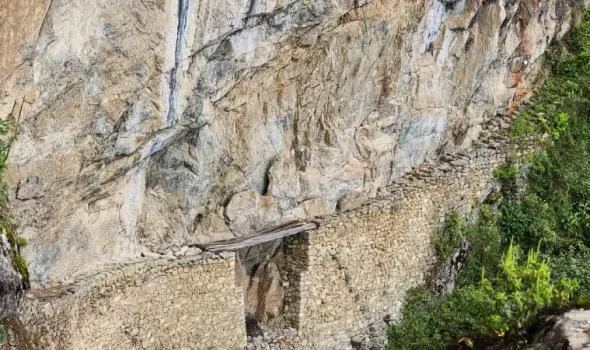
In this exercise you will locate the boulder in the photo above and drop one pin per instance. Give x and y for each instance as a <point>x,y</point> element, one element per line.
<point>570,331</point>
<point>248,212</point>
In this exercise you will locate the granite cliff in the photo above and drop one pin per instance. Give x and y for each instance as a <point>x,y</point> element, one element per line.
<point>147,125</point>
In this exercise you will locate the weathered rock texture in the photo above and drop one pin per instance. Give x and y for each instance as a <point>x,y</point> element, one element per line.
<point>446,274</point>
<point>154,124</point>
<point>570,331</point>
<point>188,303</point>
<point>259,274</point>
<point>11,283</point>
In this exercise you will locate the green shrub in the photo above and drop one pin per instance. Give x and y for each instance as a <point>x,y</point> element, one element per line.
<point>574,265</point>
<point>520,291</point>
<point>431,321</point>
<point>3,335</point>
<point>420,326</point>
<point>582,302</point>
<point>449,237</point>
<point>555,207</point>
<point>506,174</point>
<point>504,303</point>
<point>486,247</point>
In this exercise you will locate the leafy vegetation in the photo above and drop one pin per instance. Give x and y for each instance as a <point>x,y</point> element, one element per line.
<point>430,321</point>
<point>506,174</point>
<point>517,294</point>
<point>482,308</point>
<point>7,225</point>
<point>3,335</point>
<point>448,239</point>
<point>555,207</point>
<point>502,290</point>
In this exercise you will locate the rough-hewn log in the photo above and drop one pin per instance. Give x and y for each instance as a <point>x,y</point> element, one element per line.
<point>268,235</point>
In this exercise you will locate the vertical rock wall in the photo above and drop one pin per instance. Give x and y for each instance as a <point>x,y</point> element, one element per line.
<point>149,125</point>
<point>11,282</point>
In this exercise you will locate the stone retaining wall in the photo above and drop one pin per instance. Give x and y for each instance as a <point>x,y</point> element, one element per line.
<point>360,264</point>
<point>185,303</point>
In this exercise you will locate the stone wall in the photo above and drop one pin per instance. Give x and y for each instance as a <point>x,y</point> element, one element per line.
<point>185,303</point>
<point>361,264</point>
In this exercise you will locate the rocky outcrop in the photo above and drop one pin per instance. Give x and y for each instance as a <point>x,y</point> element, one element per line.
<point>570,331</point>
<point>446,274</point>
<point>11,285</point>
<point>141,121</point>
<point>259,274</point>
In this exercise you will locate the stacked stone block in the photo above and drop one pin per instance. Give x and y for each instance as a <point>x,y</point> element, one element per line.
<point>186,303</point>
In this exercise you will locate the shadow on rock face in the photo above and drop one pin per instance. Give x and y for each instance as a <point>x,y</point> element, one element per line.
<point>11,291</point>
<point>253,328</point>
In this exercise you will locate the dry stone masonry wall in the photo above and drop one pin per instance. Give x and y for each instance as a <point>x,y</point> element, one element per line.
<point>185,303</point>
<point>361,264</point>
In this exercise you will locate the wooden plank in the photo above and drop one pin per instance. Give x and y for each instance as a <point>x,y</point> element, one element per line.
<point>282,231</point>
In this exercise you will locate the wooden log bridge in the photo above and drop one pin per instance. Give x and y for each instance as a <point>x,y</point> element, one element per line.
<point>267,235</point>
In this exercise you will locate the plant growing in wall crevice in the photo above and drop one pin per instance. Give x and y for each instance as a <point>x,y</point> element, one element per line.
<point>448,238</point>
<point>8,227</point>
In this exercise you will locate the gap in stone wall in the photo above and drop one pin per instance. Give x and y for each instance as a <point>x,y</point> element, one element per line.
<point>270,275</point>
<point>258,273</point>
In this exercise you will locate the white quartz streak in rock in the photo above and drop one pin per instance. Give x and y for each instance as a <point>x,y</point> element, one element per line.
<point>182,15</point>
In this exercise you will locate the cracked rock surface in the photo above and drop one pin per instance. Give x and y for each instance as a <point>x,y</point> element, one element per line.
<point>152,124</point>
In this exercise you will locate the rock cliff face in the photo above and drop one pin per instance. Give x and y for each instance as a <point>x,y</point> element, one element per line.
<point>11,285</point>
<point>149,124</point>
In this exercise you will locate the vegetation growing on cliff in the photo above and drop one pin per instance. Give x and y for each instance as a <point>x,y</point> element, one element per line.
<point>497,296</point>
<point>553,209</point>
<point>7,225</point>
<point>3,335</point>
